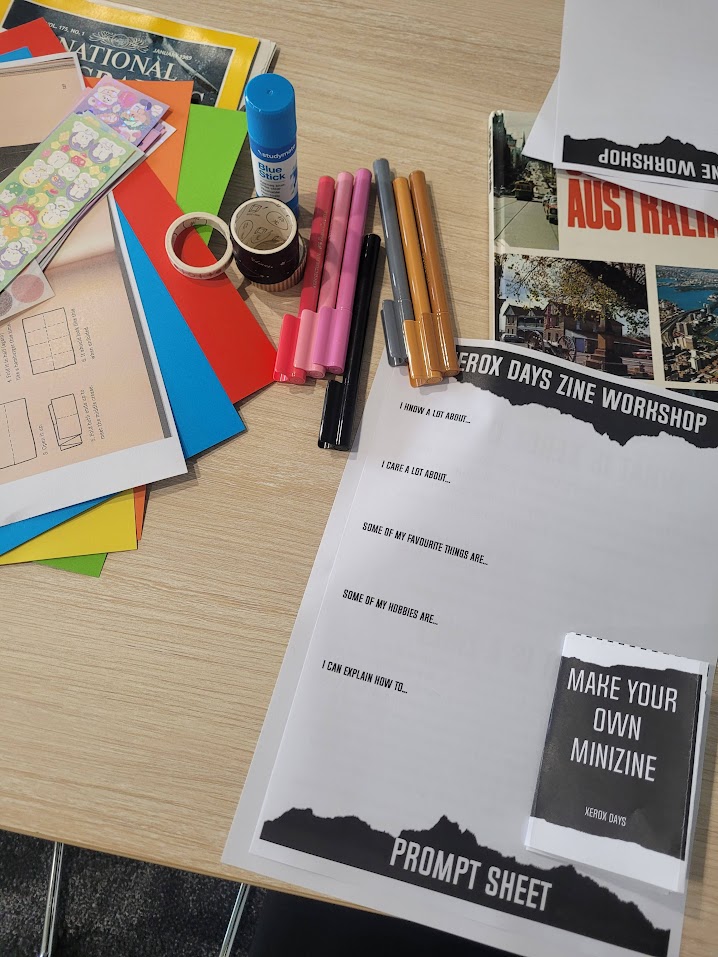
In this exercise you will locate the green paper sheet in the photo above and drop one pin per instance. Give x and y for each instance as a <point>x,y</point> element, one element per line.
<point>211,149</point>
<point>82,565</point>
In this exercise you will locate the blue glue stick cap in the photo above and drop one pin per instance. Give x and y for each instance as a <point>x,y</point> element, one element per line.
<point>271,114</point>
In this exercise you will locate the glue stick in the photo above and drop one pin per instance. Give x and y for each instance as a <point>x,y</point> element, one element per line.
<point>272,129</point>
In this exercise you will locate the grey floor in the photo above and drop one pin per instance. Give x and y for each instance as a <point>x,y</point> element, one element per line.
<point>114,906</point>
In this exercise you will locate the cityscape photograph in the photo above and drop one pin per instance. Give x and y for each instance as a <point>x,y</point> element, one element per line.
<point>589,312</point>
<point>525,208</point>
<point>687,303</point>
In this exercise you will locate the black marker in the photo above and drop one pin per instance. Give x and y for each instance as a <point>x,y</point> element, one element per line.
<point>335,431</point>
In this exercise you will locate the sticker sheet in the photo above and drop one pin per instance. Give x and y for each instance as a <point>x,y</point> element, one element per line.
<point>79,159</point>
<point>129,113</point>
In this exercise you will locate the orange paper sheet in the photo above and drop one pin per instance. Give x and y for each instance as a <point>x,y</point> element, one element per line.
<point>140,499</point>
<point>167,159</point>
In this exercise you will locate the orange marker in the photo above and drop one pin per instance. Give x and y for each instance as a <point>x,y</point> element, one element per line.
<point>425,366</point>
<point>434,275</point>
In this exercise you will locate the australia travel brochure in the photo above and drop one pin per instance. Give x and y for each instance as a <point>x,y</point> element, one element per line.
<point>599,275</point>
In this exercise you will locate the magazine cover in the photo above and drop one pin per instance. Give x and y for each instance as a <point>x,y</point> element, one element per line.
<point>616,782</point>
<point>132,44</point>
<point>598,274</point>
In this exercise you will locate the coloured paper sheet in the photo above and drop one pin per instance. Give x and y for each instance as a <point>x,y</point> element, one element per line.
<point>90,565</point>
<point>212,146</point>
<point>108,528</point>
<point>233,341</point>
<point>35,34</point>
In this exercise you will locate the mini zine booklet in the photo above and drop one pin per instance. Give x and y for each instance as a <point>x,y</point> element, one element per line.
<point>618,776</point>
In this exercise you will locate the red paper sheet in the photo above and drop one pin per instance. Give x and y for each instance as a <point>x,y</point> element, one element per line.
<point>230,337</point>
<point>37,36</point>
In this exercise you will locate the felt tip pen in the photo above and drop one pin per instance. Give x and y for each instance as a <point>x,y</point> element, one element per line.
<point>285,368</point>
<point>315,323</point>
<point>423,352</point>
<point>394,313</point>
<point>434,275</point>
<point>342,315</point>
<point>340,399</point>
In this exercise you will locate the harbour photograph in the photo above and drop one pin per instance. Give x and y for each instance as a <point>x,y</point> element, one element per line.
<point>688,310</point>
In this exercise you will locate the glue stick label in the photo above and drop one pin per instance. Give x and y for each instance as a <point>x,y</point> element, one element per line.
<point>275,174</point>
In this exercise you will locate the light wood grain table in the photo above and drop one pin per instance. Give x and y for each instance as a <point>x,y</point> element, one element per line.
<point>130,705</point>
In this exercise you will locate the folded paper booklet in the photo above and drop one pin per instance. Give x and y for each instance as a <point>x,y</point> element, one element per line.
<point>619,770</point>
<point>475,525</point>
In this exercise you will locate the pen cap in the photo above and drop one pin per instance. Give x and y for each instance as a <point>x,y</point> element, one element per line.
<point>271,112</point>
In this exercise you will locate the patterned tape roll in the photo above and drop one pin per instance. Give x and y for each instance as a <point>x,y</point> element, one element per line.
<point>267,246</point>
<point>185,222</point>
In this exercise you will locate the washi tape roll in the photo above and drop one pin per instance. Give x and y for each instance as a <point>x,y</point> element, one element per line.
<point>183,223</point>
<point>267,246</point>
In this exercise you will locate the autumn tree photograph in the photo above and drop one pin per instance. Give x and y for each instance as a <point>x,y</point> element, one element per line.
<point>591,312</point>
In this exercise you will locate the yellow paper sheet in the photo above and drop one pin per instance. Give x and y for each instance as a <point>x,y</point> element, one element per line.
<point>109,527</point>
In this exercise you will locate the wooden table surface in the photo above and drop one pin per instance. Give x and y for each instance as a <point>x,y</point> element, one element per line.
<point>130,705</point>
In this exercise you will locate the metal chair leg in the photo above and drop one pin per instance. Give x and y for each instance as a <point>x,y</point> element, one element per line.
<point>234,920</point>
<point>53,893</point>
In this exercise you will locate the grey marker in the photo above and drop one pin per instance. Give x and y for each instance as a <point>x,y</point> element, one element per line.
<point>399,310</point>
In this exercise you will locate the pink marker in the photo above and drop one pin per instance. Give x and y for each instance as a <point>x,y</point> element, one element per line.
<point>285,367</point>
<point>313,335</point>
<point>342,316</point>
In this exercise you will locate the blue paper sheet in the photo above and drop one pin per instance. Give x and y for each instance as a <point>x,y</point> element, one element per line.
<point>203,413</point>
<point>23,53</point>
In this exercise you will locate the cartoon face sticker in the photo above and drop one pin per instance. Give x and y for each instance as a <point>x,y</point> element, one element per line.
<point>57,159</point>
<point>12,256</point>
<point>10,193</point>
<point>22,215</point>
<point>104,97</point>
<point>82,187</point>
<point>134,119</point>
<point>104,150</point>
<point>69,171</point>
<point>112,119</point>
<point>27,245</point>
<point>35,174</point>
<point>278,219</point>
<point>82,135</point>
<point>38,200</point>
<point>55,214</point>
<point>156,110</point>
